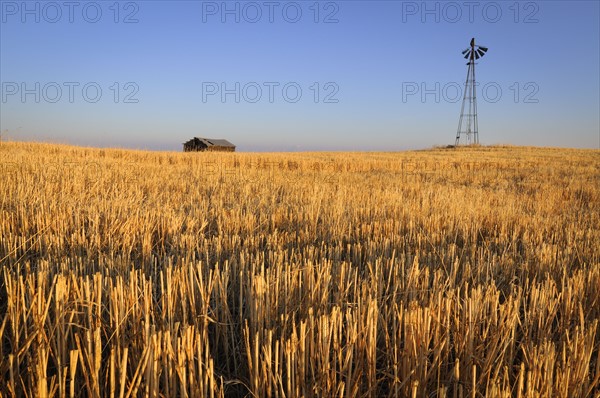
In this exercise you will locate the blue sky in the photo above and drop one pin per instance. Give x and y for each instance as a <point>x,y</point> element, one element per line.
<point>304,75</point>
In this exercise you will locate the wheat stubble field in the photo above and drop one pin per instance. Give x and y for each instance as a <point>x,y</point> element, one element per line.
<point>443,273</point>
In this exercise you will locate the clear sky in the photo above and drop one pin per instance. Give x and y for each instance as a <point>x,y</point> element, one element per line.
<point>303,75</point>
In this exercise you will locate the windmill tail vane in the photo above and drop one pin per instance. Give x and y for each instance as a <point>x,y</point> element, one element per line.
<point>467,124</point>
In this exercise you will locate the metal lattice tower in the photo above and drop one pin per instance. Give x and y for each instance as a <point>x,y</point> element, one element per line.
<point>467,124</point>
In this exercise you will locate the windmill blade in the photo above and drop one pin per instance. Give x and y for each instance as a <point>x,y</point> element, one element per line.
<point>475,51</point>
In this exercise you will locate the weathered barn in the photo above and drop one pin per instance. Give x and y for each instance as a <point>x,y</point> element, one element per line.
<point>208,144</point>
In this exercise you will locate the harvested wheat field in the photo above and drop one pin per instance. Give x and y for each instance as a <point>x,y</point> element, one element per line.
<point>470,272</point>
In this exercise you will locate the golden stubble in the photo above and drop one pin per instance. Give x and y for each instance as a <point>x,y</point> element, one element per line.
<point>451,273</point>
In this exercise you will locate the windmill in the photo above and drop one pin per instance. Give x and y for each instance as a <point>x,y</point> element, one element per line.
<point>467,124</point>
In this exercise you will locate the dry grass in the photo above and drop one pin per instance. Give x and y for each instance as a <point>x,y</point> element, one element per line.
<point>457,273</point>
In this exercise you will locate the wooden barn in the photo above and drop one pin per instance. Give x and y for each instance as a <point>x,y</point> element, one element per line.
<point>208,144</point>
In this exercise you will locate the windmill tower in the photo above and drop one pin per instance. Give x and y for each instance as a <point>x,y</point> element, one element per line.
<point>467,124</point>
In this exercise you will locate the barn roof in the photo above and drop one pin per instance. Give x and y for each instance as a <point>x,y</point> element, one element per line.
<point>212,142</point>
<point>217,141</point>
